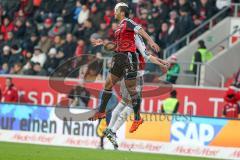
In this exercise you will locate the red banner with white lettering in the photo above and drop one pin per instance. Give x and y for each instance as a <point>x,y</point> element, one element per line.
<point>193,100</point>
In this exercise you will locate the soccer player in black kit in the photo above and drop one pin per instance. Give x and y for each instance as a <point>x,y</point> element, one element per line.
<point>124,62</point>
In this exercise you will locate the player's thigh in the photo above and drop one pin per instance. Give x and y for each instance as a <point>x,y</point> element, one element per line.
<point>111,81</point>
<point>118,65</point>
<point>131,86</point>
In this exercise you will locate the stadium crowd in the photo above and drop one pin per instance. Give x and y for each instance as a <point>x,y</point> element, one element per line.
<point>36,36</point>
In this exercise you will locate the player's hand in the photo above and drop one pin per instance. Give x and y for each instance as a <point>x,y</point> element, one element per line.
<point>164,69</point>
<point>167,64</point>
<point>154,46</point>
<point>96,42</point>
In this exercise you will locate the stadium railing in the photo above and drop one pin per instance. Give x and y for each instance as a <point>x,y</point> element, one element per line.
<point>184,41</point>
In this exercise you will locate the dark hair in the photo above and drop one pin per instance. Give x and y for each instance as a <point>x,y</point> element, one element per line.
<point>126,10</point>
<point>37,63</point>
<point>201,44</point>
<point>173,93</point>
<point>10,78</point>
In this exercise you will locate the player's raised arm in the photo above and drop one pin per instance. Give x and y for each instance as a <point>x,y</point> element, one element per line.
<point>109,46</point>
<point>144,34</point>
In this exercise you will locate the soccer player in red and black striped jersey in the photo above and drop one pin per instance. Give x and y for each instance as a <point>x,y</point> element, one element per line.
<point>125,61</point>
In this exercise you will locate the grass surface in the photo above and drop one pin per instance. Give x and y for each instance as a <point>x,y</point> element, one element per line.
<point>17,151</point>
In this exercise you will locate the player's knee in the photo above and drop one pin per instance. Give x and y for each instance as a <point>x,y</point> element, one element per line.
<point>108,85</point>
<point>122,116</point>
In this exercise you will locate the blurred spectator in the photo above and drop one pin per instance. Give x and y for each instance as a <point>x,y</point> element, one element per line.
<point>143,19</point>
<point>20,15</point>
<point>11,40</point>
<point>58,29</point>
<point>38,56</point>
<point>10,92</point>
<point>183,4</point>
<point>155,16</point>
<point>173,15</point>
<point>45,42</point>
<point>47,25</point>
<point>28,57</point>
<point>174,70</point>
<point>170,105</point>
<point>162,9</point>
<point>163,37</point>
<point>204,9</point>
<point>79,97</point>
<point>112,30</point>
<point>84,32</point>
<point>108,16</point>
<point>16,56</point>
<point>69,47</point>
<point>103,31</point>
<point>151,30</point>
<point>57,42</point>
<point>4,68</point>
<point>19,29</point>
<point>10,7</point>
<point>81,49</point>
<point>52,62</point>
<point>38,70</point>
<point>77,10</point>
<point>201,56</point>
<point>67,12</point>
<point>172,31</point>
<point>17,69</point>
<point>1,40</point>
<point>31,28</point>
<point>96,15</point>
<point>5,55</point>
<point>83,15</point>
<point>31,42</point>
<point>6,27</point>
<point>26,7</point>
<point>28,68</point>
<point>60,56</point>
<point>185,21</point>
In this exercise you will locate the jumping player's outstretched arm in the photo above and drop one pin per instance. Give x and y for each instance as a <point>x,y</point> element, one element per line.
<point>153,45</point>
<point>164,65</point>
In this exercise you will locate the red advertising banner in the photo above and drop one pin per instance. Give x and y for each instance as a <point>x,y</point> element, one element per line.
<point>193,100</point>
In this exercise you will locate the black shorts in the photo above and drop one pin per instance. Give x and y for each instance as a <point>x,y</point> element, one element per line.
<point>125,65</point>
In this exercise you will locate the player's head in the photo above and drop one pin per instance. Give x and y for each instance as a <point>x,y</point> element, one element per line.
<point>173,94</point>
<point>121,11</point>
<point>8,81</point>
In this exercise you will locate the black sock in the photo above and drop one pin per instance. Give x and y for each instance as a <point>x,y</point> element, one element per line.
<point>101,143</point>
<point>104,100</point>
<point>136,102</point>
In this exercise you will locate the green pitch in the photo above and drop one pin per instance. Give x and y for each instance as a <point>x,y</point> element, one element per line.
<point>17,151</point>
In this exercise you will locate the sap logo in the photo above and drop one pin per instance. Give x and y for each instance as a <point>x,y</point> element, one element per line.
<point>192,133</point>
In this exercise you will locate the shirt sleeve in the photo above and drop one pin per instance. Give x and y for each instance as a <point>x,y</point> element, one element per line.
<point>131,25</point>
<point>141,47</point>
